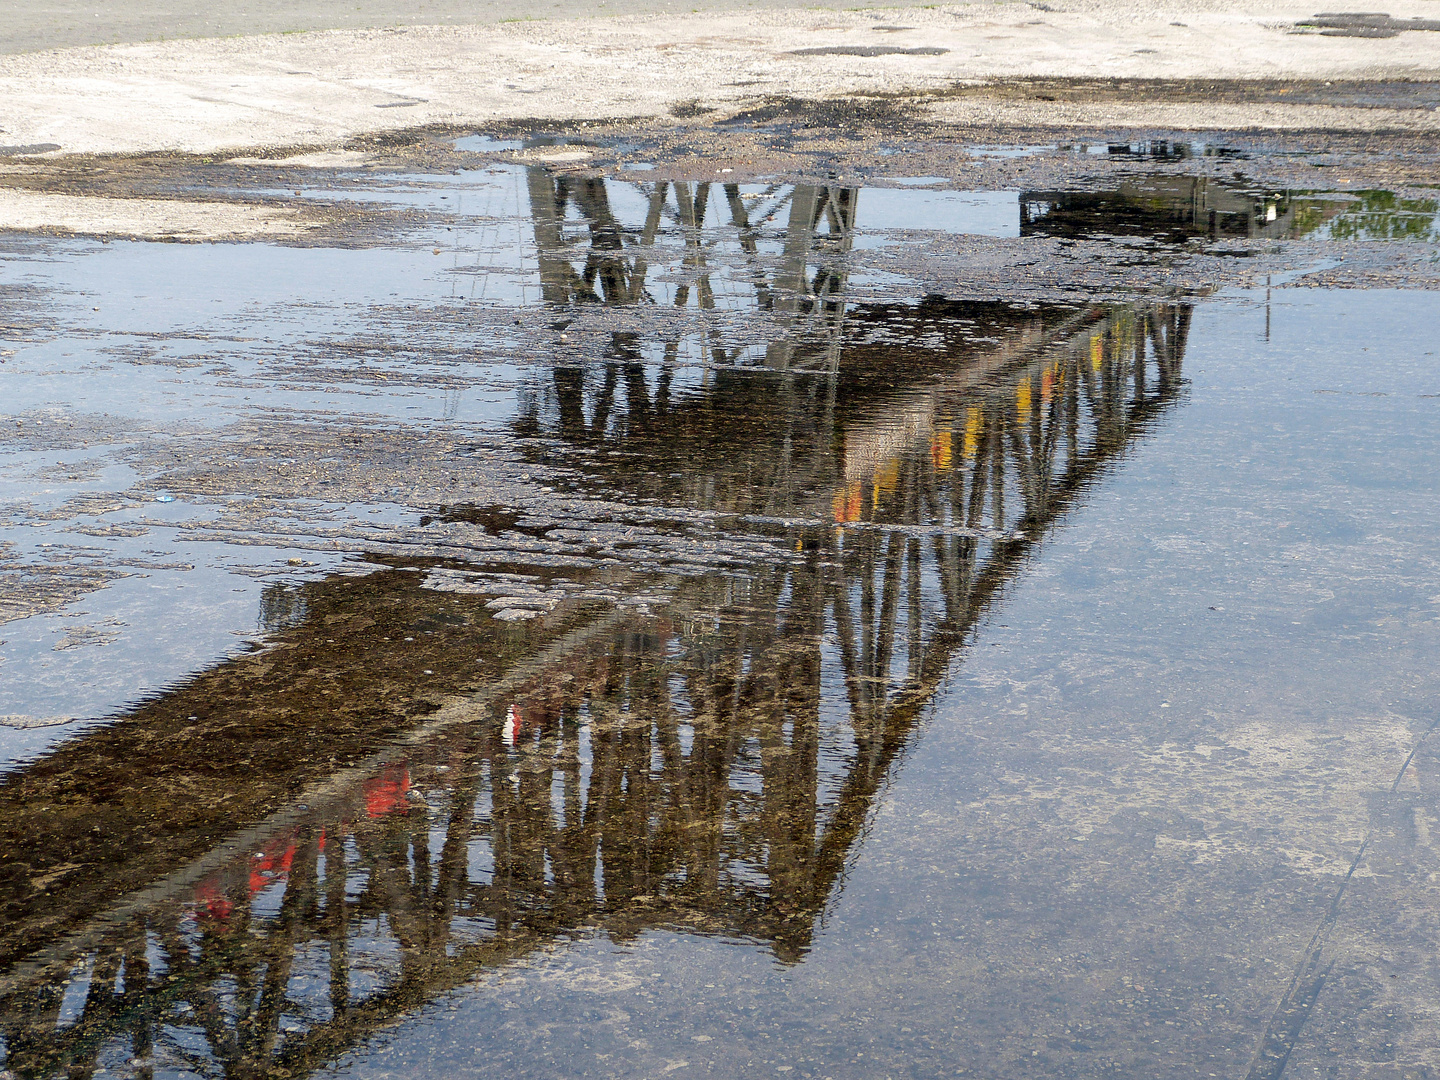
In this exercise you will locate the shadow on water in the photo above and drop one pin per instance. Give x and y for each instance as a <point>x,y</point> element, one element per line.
<point>256,871</point>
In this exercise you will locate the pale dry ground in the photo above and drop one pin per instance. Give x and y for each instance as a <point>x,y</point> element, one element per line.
<point>1180,116</point>
<point>178,219</point>
<point>318,90</point>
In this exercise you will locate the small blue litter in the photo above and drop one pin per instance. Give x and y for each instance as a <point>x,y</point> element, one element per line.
<point>164,498</point>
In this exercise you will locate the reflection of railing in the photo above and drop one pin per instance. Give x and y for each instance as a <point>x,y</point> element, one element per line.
<point>708,768</point>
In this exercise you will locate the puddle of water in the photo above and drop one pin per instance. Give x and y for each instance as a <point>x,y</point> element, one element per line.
<point>850,681</point>
<point>1158,150</point>
<point>487,144</point>
<point>973,213</point>
<point>1009,151</point>
<point>1151,150</point>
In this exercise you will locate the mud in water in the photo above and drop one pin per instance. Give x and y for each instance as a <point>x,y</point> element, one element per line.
<point>610,620</point>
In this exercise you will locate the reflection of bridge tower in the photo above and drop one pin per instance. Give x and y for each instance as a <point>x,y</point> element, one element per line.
<point>614,260</point>
<point>815,306</point>
<point>609,274</point>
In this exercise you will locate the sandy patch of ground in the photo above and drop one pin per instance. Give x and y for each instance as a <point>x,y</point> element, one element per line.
<point>28,211</point>
<point>322,159</point>
<point>1182,116</point>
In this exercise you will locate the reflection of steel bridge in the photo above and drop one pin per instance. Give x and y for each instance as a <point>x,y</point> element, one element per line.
<point>709,768</point>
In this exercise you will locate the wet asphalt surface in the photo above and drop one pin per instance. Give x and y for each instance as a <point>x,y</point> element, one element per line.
<point>722,603</point>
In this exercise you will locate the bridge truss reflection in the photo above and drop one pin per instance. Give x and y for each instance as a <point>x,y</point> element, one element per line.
<point>707,768</point>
